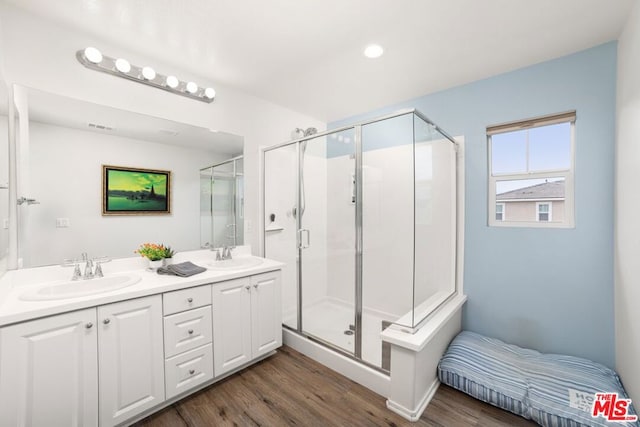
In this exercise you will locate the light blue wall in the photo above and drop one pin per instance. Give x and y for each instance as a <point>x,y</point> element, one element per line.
<point>548,289</point>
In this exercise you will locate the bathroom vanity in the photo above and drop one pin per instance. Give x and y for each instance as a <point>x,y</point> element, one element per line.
<point>113,357</point>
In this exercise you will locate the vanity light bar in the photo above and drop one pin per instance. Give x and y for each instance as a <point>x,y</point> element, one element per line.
<point>92,58</point>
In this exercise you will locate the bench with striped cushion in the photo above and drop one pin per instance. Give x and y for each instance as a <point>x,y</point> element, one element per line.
<point>550,389</point>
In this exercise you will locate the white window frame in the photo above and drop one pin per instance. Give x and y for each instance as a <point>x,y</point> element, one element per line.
<point>567,174</point>
<point>504,208</point>
<point>550,204</point>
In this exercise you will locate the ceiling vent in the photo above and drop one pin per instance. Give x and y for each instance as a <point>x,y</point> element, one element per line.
<point>168,132</point>
<point>99,126</point>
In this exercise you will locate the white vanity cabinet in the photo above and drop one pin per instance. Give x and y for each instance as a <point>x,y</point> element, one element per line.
<point>49,371</point>
<point>111,364</point>
<point>131,358</point>
<point>247,320</point>
<point>187,339</point>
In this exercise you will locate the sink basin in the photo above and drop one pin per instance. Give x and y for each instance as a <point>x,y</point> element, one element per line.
<point>79,288</point>
<point>236,263</point>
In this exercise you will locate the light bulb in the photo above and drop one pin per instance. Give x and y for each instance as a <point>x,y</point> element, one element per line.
<point>93,55</point>
<point>192,87</point>
<point>210,93</point>
<point>123,65</point>
<point>148,73</point>
<point>172,82</point>
<point>373,51</point>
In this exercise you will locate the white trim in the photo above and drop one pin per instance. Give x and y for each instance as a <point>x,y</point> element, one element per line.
<point>415,414</point>
<point>549,199</point>
<point>569,199</point>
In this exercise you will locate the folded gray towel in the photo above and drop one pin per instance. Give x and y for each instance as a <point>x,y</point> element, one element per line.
<point>183,269</point>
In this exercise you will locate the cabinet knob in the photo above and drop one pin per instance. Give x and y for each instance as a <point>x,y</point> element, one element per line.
<point>192,371</point>
<point>106,321</point>
<point>88,325</point>
<point>189,299</point>
<point>255,286</point>
<point>248,287</point>
<point>190,331</point>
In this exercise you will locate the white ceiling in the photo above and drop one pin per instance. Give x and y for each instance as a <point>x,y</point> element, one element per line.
<point>307,54</point>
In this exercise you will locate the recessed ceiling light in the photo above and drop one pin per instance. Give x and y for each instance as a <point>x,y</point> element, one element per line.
<point>373,51</point>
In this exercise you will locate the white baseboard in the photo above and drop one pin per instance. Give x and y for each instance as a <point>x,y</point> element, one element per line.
<point>415,414</point>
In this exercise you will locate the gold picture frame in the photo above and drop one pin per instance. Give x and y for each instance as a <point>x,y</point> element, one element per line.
<point>135,191</point>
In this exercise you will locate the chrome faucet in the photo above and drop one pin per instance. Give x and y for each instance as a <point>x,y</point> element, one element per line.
<point>89,271</point>
<point>226,253</point>
<point>88,268</point>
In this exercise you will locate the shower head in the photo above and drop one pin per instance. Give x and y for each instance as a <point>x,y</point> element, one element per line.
<point>297,133</point>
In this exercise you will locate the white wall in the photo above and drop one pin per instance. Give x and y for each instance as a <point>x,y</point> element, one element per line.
<point>41,54</point>
<point>66,178</point>
<point>627,205</point>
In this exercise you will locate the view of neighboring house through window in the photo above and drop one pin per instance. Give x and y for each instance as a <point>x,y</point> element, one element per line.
<point>499,211</point>
<point>544,211</point>
<point>531,172</point>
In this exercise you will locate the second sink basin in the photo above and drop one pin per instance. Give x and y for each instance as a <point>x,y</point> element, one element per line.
<point>236,263</point>
<point>80,288</point>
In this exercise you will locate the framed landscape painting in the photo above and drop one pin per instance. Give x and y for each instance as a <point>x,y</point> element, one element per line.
<point>135,191</point>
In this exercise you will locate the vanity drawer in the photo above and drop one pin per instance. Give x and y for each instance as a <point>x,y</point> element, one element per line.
<point>187,330</point>
<point>186,299</point>
<point>188,370</point>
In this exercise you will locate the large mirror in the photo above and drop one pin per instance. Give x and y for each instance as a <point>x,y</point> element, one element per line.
<point>222,204</point>
<point>4,178</point>
<point>60,183</point>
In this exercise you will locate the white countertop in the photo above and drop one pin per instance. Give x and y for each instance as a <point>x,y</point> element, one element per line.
<point>16,282</point>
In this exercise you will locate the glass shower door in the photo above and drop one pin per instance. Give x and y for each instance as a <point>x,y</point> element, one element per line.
<point>224,205</point>
<point>326,238</point>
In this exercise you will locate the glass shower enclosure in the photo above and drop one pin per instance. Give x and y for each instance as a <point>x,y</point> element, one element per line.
<point>222,204</point>
<point>364,218</point>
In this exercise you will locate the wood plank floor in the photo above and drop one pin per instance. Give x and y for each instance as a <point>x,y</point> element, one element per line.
<point>290,389</point>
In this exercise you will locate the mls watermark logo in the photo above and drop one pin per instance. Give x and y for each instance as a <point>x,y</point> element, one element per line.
<point>612,408</point>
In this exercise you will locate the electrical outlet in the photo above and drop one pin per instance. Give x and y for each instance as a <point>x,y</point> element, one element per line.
<point>62,223</point>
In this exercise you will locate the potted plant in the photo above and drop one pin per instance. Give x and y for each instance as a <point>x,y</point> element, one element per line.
<point>153,252</point>
<point>167,256</point>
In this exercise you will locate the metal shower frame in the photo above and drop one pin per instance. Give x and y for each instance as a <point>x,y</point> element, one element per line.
<point>357,353</point>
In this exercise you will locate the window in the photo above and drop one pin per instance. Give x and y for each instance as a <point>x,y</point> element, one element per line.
<point>543,211</point>
<point>531,165</point>
<point>499,211</point>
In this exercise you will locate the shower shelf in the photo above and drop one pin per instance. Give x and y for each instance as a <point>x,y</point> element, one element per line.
<point>274,228</point>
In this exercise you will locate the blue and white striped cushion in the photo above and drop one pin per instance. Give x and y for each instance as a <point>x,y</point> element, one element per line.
<point>530,384</point>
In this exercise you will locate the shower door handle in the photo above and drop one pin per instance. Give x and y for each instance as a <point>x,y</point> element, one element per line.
<point>304,243</point>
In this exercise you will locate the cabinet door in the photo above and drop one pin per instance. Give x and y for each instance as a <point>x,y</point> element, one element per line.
<point>266,313</point>
<point>49,371</point>
<point>131,359</point>
<point>231,325</point>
